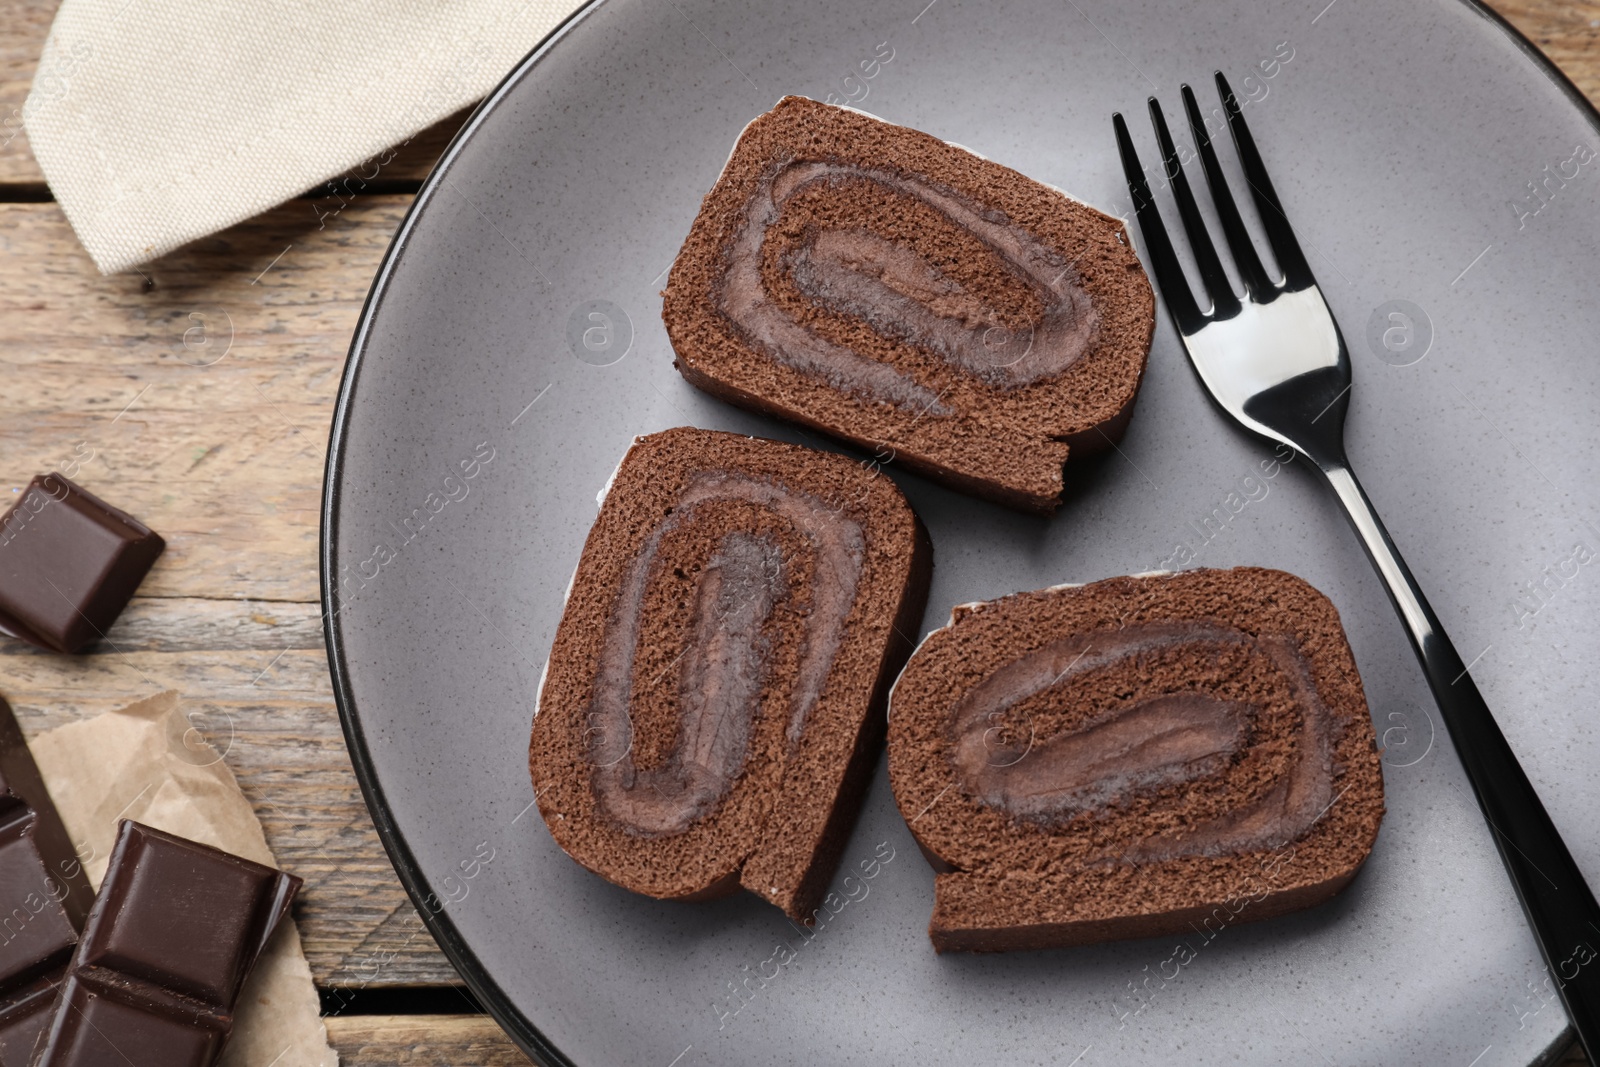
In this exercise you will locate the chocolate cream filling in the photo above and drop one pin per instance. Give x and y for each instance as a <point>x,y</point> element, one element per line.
<point>1154,741</point>
<point>724,667</point>
<point>901,295</point>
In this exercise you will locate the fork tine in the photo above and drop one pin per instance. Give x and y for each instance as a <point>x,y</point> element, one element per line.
<point>1254,275</point>
<point>1224,304</point>
<point>1296,274</point>
<point>1169,274</point>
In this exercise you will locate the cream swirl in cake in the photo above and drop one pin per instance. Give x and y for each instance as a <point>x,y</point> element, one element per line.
<point>1147,739</point>
<point>862,264</point>
<point>728,641</point>
<point>1114,759</point>
<point>706,719</point>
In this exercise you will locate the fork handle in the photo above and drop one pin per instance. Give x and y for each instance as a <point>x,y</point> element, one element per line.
<point>1558,902</point>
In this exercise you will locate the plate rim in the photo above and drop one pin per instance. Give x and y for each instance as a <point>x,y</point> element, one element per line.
<point>499,1006</point>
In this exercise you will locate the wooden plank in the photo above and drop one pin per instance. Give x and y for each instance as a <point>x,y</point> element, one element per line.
<point>196,396</point>
<point>1568,31</point>
<point>225,459</point>
<point>271,712</point>
<point>22,32</point>
<point>422,1041</point>
<point>193,624</point>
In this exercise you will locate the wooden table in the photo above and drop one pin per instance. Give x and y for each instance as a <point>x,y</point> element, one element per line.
<point>225,460</point>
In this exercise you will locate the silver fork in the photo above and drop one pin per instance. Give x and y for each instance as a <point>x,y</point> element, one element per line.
<point>1277,363</point>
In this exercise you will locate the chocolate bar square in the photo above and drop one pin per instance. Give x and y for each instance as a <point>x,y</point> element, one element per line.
<point>24,1014</point>
<point>44,897</point>
<point>109,1026</point>
<point>34,928</point>
<point>184,897</point>
<point>173,935</point>
<point>69,563</point>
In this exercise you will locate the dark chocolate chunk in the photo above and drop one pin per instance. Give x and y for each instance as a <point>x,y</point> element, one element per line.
<point>24,1019</point>
<point>171,939</point>
<point>69,562</point>
<point>44,897</point>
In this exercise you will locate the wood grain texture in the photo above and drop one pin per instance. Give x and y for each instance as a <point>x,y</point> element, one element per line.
<point>23,26</point>
<point>1568,31</point>
<point>197,394</point>
<point>271,713</point>
<point>421,1041</point>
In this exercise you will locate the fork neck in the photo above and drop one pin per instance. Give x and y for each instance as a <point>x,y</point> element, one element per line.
<point>1422,626</point>
<point>1307,412</point>
<point>1329,455</point>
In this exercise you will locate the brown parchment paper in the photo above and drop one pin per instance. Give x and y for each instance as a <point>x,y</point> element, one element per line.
<point>146,762</point>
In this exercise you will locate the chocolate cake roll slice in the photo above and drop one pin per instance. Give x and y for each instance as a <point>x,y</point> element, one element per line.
<point>713,703</point>
<point>913,298</point>
<point>1167,754</point>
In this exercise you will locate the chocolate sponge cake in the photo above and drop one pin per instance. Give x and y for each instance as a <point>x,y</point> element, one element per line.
<point>713,704</point>
<point>913,298</point>
<point>1140,756</point>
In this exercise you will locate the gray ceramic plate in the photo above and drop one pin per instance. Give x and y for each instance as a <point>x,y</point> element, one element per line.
<point>1403,138</point>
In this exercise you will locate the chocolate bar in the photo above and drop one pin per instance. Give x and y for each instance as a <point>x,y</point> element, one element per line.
<point>44,897</point>
<point>69,562</point>
<point>174,933</point>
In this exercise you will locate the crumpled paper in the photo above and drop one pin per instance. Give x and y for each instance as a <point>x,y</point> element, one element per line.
<point>146,762</point>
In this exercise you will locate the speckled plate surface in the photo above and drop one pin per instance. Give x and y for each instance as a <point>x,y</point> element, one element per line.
<point>484,405</point>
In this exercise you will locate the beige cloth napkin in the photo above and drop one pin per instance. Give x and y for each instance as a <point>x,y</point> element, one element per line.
<point>160,121</point>
<point>145,762</point>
